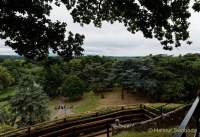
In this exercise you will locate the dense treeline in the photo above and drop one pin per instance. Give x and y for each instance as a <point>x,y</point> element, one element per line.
<point>160,77</point>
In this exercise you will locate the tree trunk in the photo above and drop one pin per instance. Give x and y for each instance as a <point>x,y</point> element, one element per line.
<point>122,94</point>
<point>102,95</point>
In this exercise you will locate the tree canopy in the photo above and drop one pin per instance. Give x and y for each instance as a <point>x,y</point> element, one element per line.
<point>73,87</point>
<point>26,27</point>
<point>30,104</point>
<point>6,78</point>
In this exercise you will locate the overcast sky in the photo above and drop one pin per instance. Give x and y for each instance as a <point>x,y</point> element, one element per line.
<point>115,40</point>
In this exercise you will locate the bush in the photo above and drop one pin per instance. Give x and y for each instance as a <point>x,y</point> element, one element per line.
<point>5,128</point>
<point>72,87</point>
<point>5,78</point>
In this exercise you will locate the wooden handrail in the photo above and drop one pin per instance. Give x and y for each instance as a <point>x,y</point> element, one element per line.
<point>121,114</point>
<point>47,124</point>
<point>182,128</point>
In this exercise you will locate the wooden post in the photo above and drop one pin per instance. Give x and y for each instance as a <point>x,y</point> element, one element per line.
<point>184,134</point>
<point>122,94</point>
<point>108,127</point>
<point>102,95</point>
<point>74,132</point>
<point>198,117</point>
<point>65,120</point>
<point>29,131</point>
<point>197,121</point>
<point>198,124</point>
<point>161,110</point>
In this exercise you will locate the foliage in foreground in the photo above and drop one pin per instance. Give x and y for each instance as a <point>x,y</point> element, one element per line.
<point>30,104</point>
<point>26,28</point>
<point>6,128</point>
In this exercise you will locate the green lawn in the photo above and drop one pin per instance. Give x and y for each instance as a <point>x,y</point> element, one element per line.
<point>7,93</point>
<point>51,106</point>
<point>89,102</point>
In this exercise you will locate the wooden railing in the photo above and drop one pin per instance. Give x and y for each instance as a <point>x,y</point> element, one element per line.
<point>68,119</point>
<point>194,111</point>
<point>98,124</point>
<point>91,125</point>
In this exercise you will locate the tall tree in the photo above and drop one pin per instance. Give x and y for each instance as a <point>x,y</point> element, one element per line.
<point>30,104</point>
<point>99,75</point>
<point>53,79</point>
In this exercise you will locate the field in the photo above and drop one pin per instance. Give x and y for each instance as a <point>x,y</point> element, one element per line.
<point>93,102</point>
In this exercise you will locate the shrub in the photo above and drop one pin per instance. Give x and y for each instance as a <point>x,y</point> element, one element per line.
<point>5,78</point>
<point>72,87</point>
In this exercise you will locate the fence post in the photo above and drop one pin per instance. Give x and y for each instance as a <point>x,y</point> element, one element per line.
<point>65,120</point>
<point>29,131</point>
<point>108,127</point>
<point>198,118</point>
<point>198,122</point>
<point>184,134</point>
<point>161,110</point>
<point>74,132</point>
